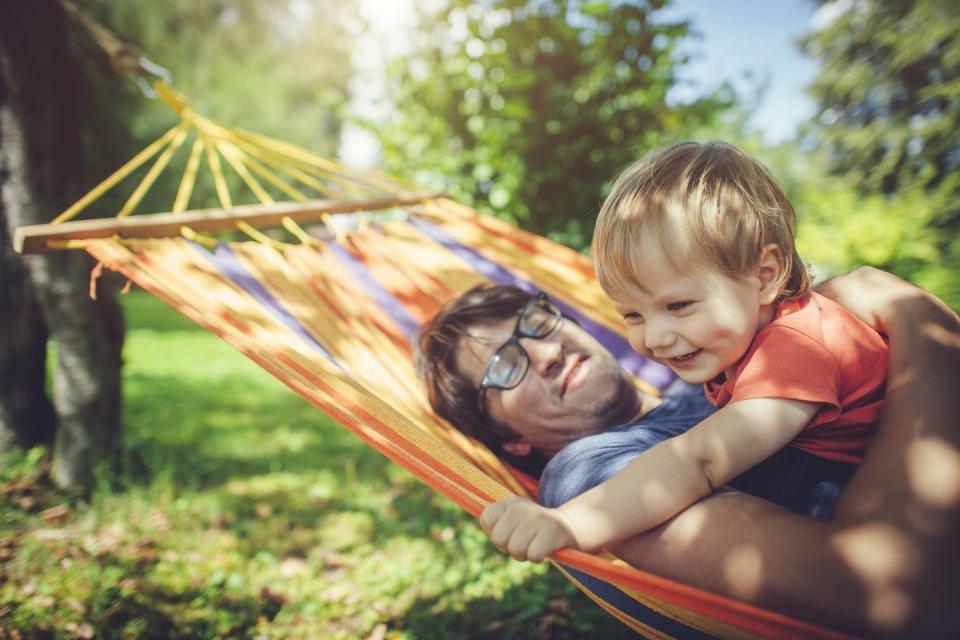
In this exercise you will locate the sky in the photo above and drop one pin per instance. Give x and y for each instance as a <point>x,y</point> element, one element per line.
<point>759,37</point>
<point>736,37</point>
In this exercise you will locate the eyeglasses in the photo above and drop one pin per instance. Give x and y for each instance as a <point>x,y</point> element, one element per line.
<point>509,364</point>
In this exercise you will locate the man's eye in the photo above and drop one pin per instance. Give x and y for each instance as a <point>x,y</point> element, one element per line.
<point>679,306</point>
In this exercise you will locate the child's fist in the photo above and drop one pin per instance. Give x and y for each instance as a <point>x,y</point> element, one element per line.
<point>526,530</point>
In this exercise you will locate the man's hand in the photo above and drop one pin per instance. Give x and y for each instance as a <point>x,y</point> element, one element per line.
<point>526,530</point>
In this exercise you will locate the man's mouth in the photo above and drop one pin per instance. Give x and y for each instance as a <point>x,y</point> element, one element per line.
<point>571,371</point>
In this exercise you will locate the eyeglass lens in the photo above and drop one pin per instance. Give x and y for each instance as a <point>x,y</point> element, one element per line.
<point>509,364</point>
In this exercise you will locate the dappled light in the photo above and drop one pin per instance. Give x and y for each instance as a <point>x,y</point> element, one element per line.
<point>885,560</point>
<point>743,568</point>
<point>949,339</point>
<point>933,471</point>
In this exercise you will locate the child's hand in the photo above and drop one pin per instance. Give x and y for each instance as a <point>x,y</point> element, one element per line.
<point>526,530</point>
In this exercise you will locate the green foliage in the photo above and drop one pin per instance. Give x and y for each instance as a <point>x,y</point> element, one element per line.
<point>889,91</point>
<point>841,229</point>
<point>889,94</point>
<point>242,512</point>
<point>529,108</point>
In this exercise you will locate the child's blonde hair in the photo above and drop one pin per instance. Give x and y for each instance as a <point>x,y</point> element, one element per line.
<point>710,203</point>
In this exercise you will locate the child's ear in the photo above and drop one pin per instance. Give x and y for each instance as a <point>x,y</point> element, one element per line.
<point>518,448</point>
<point>769,272</point>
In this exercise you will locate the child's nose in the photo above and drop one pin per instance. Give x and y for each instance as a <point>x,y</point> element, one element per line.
<point>657,335</point>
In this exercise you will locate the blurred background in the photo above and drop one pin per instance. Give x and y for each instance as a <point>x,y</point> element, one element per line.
<point>218,504</point>
<point>528,108</point>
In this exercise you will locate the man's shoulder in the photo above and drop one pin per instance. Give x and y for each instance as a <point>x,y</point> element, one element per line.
<point>585,463</point>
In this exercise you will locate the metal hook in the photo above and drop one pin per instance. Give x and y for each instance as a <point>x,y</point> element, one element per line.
<point>146,67</point>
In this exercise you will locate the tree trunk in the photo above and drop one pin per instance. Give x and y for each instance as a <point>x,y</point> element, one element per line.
<point>26,415</point>
<point>42,155</point>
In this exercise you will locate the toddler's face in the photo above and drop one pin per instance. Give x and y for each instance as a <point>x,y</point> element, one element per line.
<point>698,322</point>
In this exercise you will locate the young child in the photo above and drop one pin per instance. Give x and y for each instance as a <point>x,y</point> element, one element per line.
<point>695,246</point>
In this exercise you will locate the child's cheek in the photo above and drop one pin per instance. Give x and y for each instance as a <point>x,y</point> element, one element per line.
<point>635,339</point>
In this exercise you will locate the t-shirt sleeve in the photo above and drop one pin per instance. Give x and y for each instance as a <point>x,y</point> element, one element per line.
<point>582,465</point>
<point>789,364</point>
<point>578,467</point>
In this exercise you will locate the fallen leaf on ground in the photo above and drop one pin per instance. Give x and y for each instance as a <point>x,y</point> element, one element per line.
<point>293,566</point>
<point>82,630</point>
<point>55,515</point>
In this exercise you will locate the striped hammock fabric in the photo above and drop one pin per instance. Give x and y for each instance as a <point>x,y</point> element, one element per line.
<point>335,319</point>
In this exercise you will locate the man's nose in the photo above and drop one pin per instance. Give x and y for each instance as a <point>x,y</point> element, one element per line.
<point>545,355</point>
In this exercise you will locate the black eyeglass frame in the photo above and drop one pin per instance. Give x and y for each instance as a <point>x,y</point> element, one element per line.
<point>541,301</point>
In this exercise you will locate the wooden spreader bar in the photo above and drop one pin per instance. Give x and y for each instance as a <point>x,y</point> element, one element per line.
<point>34,238</point>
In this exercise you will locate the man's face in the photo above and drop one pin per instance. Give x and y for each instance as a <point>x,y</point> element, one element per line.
<point>573,387</point>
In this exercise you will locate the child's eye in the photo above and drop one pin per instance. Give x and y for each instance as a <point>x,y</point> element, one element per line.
<point>679,306</point>
<point>632,317</point>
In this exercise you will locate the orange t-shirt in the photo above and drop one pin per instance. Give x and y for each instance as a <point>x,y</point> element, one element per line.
<point>814,350</point>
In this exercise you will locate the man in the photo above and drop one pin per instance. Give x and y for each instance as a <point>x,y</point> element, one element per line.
<point>887,561</point>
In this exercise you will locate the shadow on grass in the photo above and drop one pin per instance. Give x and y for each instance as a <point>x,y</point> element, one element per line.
<point>146,615</point>
<point>549,604</point>
<point>274,447</point>
<point>207,433</point>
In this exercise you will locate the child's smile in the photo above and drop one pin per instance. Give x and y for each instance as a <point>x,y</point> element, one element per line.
<point>697,321</point>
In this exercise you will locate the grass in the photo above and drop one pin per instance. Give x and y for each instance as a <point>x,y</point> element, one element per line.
<point>240,511</point>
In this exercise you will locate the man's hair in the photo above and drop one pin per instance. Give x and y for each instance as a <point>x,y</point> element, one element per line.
<point>452,394</point>
<point>711,203</point>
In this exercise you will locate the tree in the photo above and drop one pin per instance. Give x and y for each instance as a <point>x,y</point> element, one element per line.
<point>889,111</point>
<point>41,151</point>
<point>889,100</point>
<point>67,120</point>
<point>529,108</point>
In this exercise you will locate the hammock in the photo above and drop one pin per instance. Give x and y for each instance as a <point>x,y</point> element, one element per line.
<point>333,314</point>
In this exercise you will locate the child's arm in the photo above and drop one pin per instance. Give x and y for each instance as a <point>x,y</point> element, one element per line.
<point>660,483</point>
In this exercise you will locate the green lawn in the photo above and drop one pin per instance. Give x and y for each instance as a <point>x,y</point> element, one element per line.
<point>240,511</point>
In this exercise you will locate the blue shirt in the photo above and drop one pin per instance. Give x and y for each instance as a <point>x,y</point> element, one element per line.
<point>791,478</point>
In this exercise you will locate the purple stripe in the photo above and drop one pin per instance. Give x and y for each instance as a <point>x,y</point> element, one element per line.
<point>633,608</point>
<point>227,262</point>
<point>394,309</point>
<point>652,372</point>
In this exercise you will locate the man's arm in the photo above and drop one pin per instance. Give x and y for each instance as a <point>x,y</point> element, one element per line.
<point>889,562</point>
